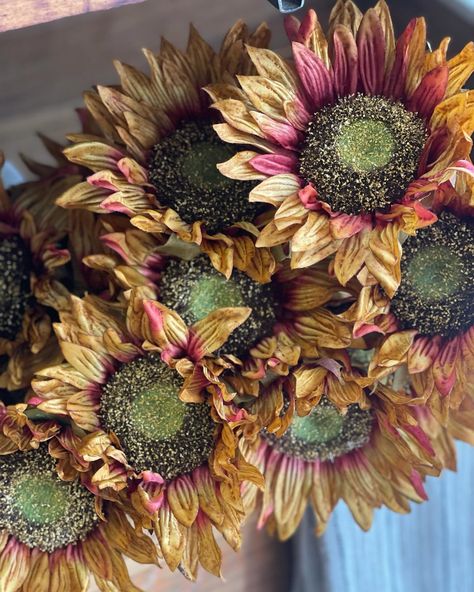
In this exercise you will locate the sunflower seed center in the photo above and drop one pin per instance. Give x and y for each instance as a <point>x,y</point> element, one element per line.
<point>183,171</point>
<point>324,434</point>
<point>361,153</point>
<point>39,509</point>
<point>14,285</point>
<point>436,294</point>
<point>157,431</point>
<point>194,289</point>
<point>365,145</point>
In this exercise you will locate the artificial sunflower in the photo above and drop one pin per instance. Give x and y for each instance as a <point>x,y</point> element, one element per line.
<point>353,138</point>
<point>428,326</point>
<point>288,312</point>
<point>52,537</point>
<point>30,255</point>
<point>80,228</point>
<point>155,159</point>
<point>366,449</point>
<point>159,419</point>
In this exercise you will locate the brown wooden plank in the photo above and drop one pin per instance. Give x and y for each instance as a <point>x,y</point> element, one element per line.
<point>17,14</point>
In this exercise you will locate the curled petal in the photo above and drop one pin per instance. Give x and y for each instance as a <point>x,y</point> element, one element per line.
<point>209,334</point>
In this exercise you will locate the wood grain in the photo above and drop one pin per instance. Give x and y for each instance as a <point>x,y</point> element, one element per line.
<point>16,14</point>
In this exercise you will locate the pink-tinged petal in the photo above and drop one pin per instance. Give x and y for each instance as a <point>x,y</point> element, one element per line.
<point>344,62</point>
<point>421,437</point>
<point>167,327</point>
<point>444,367</point>
<point>345,225</point>
<point>104,179</point>
<point>132,171</point>
<point>430,92</point>
<point>297,112</point>
<point>371,53</point>
<point>331,365</point>
<point>434,148</point>
<point>422,354</point>
<point>308,26</point>
<point>278,132</point>
<point>301,31</point>
<point>315,77</point>
<point>309,198</point>
<point>292,27</point>
<point>462,166</point>
<point>361,329</point>
<point>426,217</point>
<point>274,164</point>
<point>417,483</point>
<point>150,477</point>
<point>112,205</point>
<point>114,241</point>
<point>154,501</point>
<point>395,81</point>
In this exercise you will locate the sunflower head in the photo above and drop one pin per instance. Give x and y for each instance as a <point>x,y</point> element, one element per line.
<point>353,138</point>
<point>31,254</point>
<point>39,509</point>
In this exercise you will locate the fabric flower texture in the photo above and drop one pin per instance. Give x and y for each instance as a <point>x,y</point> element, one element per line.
<point>366,449</point>
<point>155,157</point>
<point>52,537</point>
<point>352,138</point>
<point>30,256</point>
<point>428,326</point>
<point>158,422</point>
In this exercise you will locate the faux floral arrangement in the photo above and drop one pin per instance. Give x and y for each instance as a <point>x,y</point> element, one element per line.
<point>247,285</point>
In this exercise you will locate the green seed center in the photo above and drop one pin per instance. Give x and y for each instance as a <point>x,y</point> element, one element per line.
<point>322,425</point>
<point>365,145</point>
<point>436,294</point>
<point>157,412</point>
<point>199,166</point>
<point>40,499</point>
<point>212,292</point>
<point>183,171</point>
<point>362,152</point>
<point>435,273</point>
<point>39,509</point>
<point>156,430</point>
<point>325,433</point>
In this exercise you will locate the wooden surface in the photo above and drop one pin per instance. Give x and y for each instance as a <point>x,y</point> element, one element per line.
<point>16,14</point>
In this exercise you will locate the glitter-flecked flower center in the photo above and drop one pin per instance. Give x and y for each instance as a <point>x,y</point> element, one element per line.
<point>183,171</point>
<point>361,153</point>
<point>436,294</point>
<point>194,289</point>
<point>365,145</point>
<point>325,433</point>
<point>14,284</point>
<point>157,431</point>
<point>39,509</point>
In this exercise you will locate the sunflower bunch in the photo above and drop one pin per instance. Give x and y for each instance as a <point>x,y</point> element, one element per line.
<point>246,285</point>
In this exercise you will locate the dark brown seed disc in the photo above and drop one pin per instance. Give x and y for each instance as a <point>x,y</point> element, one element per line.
<point>14,284</point>
<point>182,168</point>
<point>324,434</point>
<point>157,431</point>
<point>39,509</point>
<point>195,288</point>
<point>436,294</point>
<point>361,153</point>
